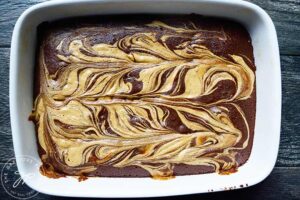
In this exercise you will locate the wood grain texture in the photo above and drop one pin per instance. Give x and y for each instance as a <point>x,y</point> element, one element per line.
<point>4,76</point>
<point>283,183</point>
<point>285,14</point>
<point>6,145</point>
<point>10,11</point>
<point>286,17</point>
<point>289,152</point>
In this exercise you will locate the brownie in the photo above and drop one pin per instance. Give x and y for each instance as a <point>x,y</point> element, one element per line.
<point>143,95</point>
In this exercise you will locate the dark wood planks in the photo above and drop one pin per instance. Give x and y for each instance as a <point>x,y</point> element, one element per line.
<point>4,75</point>
<point>286,17</point>
<point>10,12</point>
<point>285,14</point>
<point>289,151</point>
<point>283,183</point>
<point>6,145</point>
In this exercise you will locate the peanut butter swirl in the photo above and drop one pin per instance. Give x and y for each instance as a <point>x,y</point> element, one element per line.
<point>139,102</point>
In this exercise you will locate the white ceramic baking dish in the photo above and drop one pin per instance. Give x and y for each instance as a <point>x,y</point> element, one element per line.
<point>267,129</point>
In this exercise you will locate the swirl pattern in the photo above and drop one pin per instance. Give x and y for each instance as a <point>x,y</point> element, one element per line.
<point>138,102</point>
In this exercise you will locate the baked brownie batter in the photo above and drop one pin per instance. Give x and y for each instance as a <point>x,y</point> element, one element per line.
<point>143,95</point>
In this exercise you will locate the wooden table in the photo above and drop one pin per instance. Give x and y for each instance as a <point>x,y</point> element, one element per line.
<point>284,181</point>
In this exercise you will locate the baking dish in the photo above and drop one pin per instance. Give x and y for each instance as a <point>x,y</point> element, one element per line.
<point>268,83</point>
